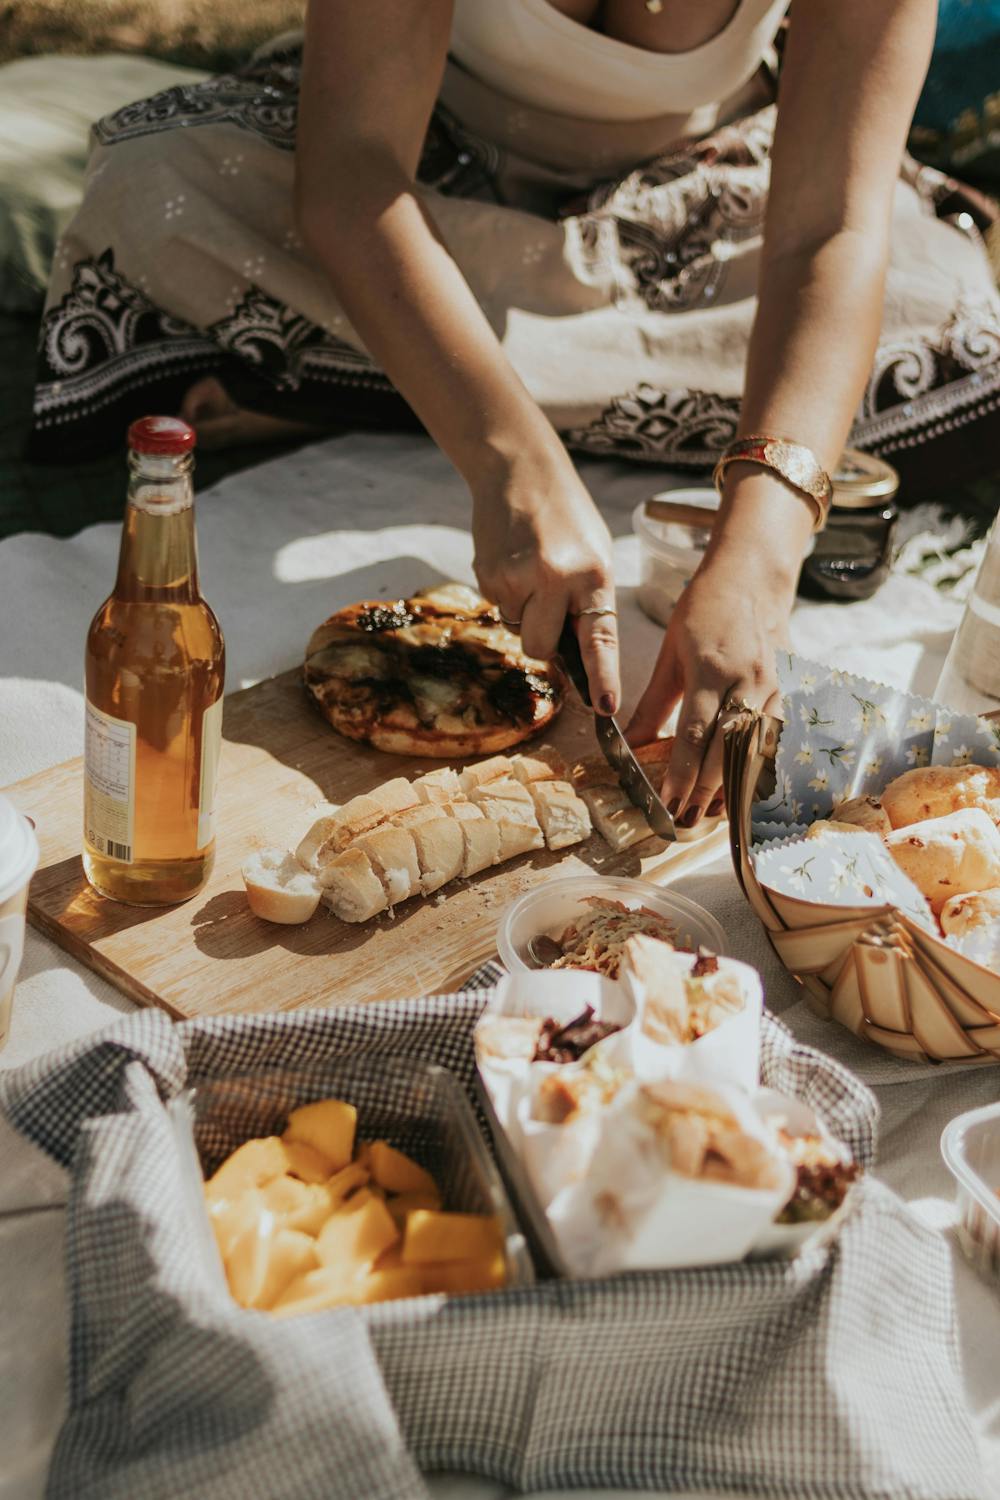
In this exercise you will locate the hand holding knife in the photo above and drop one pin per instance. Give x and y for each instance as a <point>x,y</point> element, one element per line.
<point>616,749</point>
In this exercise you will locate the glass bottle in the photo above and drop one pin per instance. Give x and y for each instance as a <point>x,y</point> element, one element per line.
<point>155,665</point>
<point>970,679</point>
<point>852,555</point>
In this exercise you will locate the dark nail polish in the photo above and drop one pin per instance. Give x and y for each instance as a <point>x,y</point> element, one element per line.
<point>691,816</point>
<point>607,704</point>
<point>673,806</point>
<point>715,808</point>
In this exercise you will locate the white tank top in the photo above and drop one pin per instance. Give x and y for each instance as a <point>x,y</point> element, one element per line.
<point>535,54</point>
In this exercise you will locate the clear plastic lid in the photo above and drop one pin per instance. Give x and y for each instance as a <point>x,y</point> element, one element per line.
<point>18,850</point>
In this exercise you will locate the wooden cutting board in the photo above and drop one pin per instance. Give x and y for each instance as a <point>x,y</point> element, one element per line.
<point>212,956</point>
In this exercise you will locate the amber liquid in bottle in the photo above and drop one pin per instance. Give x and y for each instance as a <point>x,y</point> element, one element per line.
<point>155,665</point>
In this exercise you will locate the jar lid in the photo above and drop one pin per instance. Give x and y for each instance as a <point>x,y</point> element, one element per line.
<point>168,436</point>
<point>861,479</point>
<point>18,850</point>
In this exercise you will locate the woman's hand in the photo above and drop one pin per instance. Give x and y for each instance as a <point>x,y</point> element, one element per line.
<point>718,649</point>
<point>542,552</point>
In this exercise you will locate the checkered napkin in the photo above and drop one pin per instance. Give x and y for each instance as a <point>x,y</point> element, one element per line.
<point>833,1375</point>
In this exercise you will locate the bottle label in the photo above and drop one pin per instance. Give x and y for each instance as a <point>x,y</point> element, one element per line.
<point>109,784</point>
<point>211,750</point>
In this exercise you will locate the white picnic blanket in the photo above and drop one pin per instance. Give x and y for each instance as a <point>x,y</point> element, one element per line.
<point>282,546</point>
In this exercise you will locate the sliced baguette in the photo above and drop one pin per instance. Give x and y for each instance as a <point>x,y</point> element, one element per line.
<point>424,812</point>
<point>507,798</point>
<point>351,887</point>
<point>442,785</point>
<point>332,833</point>
<point>618,822</point>
<point>480,844</point>
<point>517,837</point>
<point>393,854</point>
<point>545,765</point>
<point>278,889</point>
<point>463,812</point>
<point>440,852</point>
<point>563,815</point>
<point>494,769</point>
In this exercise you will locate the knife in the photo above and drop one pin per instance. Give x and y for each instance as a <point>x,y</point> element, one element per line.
<point>616,749</point>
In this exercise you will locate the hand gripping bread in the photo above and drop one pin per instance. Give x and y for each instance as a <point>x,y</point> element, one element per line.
<point>336,830</point>
<point>932,791</point>
<point>949,856</point>
<point>278,889</point>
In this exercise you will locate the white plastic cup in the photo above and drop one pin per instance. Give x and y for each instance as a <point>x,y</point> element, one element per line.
<point>18,862</point>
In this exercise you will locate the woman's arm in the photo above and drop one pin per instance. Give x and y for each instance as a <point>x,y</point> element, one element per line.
<point>370,78</point>
<point>852,72</point>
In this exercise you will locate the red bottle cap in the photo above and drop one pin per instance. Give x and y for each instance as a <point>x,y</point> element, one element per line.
<point>163,435</point>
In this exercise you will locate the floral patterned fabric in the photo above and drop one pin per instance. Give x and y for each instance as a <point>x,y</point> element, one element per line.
<point>617,265</point>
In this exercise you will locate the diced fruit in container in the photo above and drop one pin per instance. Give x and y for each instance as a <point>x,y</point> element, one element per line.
<point>345,1182</point>
<point>354,1240</point>
<point>355,1200</point>
<point>390,1259</point>
<point>407,1203</point>
<point>325,1286</point>
<point>457,1276</point>
<point>363,1155</point>
<point>433,1236</point>
<point>249,1166</point>
<point>306,1162</point>
<point>299,1205</point>
<point>231,1219</point>
<point>265,1259</point>
<point>282,1195</point>
<point>398,1173</point>
<point>386,1283</point>
<point>328,1126</point>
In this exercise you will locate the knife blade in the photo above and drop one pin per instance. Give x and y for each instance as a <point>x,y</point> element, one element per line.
<point>614,746</point>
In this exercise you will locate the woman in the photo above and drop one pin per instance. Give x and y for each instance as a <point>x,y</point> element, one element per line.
<point>499,315</point>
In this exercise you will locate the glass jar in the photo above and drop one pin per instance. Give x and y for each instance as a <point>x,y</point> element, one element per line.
<point>853,553</point>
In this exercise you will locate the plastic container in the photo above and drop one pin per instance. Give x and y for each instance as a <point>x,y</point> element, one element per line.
<point>18,862</point>
<point>418,1107</point>
<point>669,551</point>
<point>550,908</point>
<point>970,1146</point>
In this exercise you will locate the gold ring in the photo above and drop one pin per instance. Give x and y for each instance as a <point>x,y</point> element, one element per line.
<point>734,705</point>
<point>511,624</point>
<point>597,609</point>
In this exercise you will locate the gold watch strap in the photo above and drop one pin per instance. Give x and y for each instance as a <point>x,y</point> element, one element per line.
<point>794,462</point>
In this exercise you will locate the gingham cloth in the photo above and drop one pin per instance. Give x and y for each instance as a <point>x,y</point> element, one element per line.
<point>833,1375</point>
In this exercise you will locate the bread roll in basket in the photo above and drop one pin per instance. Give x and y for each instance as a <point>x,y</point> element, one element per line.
<point>871,967</point>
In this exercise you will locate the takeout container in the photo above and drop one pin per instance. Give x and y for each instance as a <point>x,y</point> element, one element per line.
<point>970,1145</point>
<point>18,862</point>
<point>728,1054</point>
<point>877,968</point>
<point>417,1107</point>
<point>787,1240</point>
<point>551,907</point>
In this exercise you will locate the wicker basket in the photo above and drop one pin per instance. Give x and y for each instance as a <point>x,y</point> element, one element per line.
<point>870,968</point>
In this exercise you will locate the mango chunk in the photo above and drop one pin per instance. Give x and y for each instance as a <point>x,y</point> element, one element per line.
<point>230,1220</point>
<point>265,1259</point>
<point>405,1203</point>
<point>396,1172</point>
<point>328,1126</point>
<point>306,1162</point>
<point>355,1239</point>
<point>385,1283</point>
<point>458,1276</point>
<point>250,1166</point>
<point>305,1206</point>
<point>431,1236</point>
<point>316,1289</point>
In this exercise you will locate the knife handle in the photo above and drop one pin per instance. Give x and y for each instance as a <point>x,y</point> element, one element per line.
<point>572,660</point>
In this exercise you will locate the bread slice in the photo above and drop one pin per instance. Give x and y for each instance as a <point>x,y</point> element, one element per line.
<point>393,854</point>
<point>563,815</point>
<point>440,852</point>
<point>480,843</point>
<point>517,838</point>
<point>442,785</point>
<point>506,798</point>
<point>494,769</point>
<point>278,889</point>
<point>334,832</point>
<point>424,812</point>
<point>351,888</point>
<point>545,765</point>
<point>617,821</point>
<point>464,812</point>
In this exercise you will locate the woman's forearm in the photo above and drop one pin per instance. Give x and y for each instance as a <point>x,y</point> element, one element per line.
<point>416,315</point>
